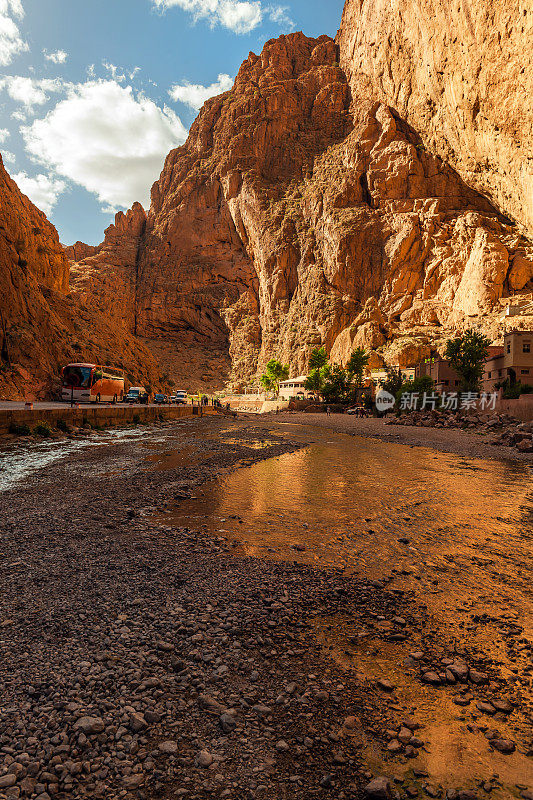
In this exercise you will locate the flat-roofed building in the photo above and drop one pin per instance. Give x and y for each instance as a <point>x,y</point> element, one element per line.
<point>513,362</point>
<point>444,377</point>
<point>294,387</point>
<point>379,376</point>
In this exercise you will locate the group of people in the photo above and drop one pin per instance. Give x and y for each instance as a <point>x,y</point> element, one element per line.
<point>206,401</point>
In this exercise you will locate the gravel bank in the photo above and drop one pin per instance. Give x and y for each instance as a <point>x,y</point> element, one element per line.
<point>141,660</point>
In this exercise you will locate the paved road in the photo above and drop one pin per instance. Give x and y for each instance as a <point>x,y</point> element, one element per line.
<point>11,405</point>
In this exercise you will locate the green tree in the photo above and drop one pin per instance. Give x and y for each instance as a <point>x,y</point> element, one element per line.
<point>356,366</point>
<point>416,386</point>
<point>275,372</point>
<point>318,359</point>
<point>467,355</point>
<point>337,384</point>
<point>315,381</point>
<point>394,380</point>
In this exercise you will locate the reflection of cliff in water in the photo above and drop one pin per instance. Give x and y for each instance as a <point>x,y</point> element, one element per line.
<point>349,502</point>
<point>453,535</point>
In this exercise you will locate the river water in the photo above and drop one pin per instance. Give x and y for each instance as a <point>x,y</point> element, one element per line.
<point>455,534</point>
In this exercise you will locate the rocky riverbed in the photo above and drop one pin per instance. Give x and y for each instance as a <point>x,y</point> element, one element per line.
<point>144,654</point>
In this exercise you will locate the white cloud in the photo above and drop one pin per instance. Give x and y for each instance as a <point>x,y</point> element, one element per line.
<point>280,14</point>
<point>195,95</point>
<point>58,57</point>
<point>106,139</point>
<point>114,71</point>
<point>11,41</point>
<point>117,73</point>
<point>29,91</point>
<point>42,190</point>
<point>239,16</point>
<point>4,135</point>
<point>7,155</point>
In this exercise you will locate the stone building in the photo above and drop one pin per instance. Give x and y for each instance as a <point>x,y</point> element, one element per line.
<point>512,362</point>
<point>444,377</point>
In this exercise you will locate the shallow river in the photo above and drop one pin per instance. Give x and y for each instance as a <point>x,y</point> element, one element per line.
<point>456,533</point>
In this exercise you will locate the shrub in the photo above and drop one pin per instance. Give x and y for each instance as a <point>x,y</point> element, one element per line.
<point>514,392</point>
<point>62,425</point>
<point>19,430</point>
<point>136,419</point>
<point>42,429</point>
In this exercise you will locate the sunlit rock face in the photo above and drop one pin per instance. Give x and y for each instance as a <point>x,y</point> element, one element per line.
<point>42,327</point>
<point>303,211</point>
<point>462,75</point>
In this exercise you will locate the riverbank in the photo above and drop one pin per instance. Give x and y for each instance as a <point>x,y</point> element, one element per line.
<point>144,658</point>
<point>469,444</point>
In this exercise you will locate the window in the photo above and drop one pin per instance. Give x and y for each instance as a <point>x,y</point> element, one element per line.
<point>526,347</point>
<point>524,372</point>
<point>446,383</point>
<point>490,374</point>
<point>508,348</point>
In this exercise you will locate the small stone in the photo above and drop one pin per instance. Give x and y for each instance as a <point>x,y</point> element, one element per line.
<point>169,748</point>
<point>89,725</point>
<point>7,780</point>
<point>132,782</point>
<point>505,706</point>
<point>137,723</point>
<point>432,678</point>
<point>227,723</point>
<point>505,746</point>
<point>282,746</point>
<point>485,708</point>
<point>385,685</point>
<point>478,678</point>
<point>460,670</point>
<point>204,759</point>
<point>394,746</point>
<point>379,789</point>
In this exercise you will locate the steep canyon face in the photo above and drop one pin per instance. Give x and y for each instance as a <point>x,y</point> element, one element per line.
<point>461,74</point>
<point>303,209</point>
<point>42,326</point>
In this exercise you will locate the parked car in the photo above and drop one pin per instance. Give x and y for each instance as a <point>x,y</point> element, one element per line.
<point>137,394</point>
<point>160,398</point>
<point>180,397</point>
<point>358,411</point>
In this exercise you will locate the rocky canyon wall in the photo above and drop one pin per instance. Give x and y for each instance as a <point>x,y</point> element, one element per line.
<point>42,326</point>
<point>305,210</point>
<point>461,74</point>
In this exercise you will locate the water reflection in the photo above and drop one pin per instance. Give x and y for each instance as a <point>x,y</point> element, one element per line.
<point>349,503</point>
<point>455,533</point>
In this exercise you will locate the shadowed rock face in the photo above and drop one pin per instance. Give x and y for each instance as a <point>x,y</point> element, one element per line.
<point>41,326</point>
<point>300,212</point>
<point>462,75</point>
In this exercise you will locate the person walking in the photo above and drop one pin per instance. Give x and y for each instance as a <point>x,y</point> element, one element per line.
<point>328,411</point>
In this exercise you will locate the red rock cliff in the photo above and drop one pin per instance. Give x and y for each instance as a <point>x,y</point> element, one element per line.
<point>301,212</point>
<point>460,73</point>
<point>41,326</point>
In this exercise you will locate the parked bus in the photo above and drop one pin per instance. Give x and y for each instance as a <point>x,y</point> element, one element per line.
<point>92,383</point>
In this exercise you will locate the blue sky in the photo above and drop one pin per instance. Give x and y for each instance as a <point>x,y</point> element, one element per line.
<point>94,93</point>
